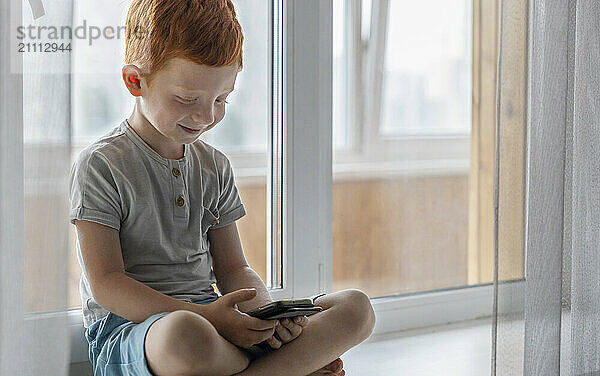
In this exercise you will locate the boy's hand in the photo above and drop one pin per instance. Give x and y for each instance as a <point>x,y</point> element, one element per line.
<point>237,327</point>
<point>287,330</point>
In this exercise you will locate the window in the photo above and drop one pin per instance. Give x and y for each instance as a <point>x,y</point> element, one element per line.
<point>402,122</point>
<point>393,185</point>
<point>397,116</point>
<point>399,197</point>
<point>413,163</point>
<point>426,86</point>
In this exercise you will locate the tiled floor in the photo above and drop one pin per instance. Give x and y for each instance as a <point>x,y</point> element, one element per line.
<point>461,349</point>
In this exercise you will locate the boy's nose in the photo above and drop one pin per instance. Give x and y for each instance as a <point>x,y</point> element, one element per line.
<point>203,118</point>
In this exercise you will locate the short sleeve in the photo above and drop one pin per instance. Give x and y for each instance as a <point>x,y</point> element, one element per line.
<point>94,193</point>
<point>230,205</point>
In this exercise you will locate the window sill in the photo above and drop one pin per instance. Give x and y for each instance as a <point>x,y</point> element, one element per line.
<point>426,351</point>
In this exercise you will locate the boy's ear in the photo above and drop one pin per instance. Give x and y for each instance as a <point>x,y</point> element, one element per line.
<point>131,77</point>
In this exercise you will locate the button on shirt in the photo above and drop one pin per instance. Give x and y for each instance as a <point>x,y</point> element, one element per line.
<point>162,208</point>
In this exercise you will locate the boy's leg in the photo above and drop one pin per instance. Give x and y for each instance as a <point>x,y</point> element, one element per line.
<point>185,343</point>
<point>347,319</point>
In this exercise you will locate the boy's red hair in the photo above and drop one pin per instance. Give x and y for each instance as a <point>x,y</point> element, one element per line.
<point>204,31</point>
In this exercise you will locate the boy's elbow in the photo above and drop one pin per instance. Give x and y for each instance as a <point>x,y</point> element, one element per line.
<point>101,285</point>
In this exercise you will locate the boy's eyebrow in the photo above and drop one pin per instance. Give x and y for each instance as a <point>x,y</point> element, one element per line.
<point>194,91</point>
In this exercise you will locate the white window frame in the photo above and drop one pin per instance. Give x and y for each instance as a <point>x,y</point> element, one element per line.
<point>307,72</point>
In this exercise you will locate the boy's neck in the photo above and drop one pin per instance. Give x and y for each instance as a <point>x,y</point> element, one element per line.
<point>163,146</point>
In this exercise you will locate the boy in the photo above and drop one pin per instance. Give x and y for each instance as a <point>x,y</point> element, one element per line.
<point>155,208</point>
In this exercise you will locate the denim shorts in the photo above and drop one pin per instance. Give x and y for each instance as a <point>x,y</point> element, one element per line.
<point>116,345</point>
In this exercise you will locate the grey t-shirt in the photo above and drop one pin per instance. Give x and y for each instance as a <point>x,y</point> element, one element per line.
<point>162,208</point>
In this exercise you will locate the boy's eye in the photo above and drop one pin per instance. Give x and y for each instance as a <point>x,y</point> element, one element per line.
<point>186,100</point>
<point>192,100</point>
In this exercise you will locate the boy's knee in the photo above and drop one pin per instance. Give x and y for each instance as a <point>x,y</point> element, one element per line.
<point>361,316</point>
<point>190,338</point>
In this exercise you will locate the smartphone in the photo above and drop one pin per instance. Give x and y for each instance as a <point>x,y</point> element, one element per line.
<point>293,312</point>
<point>279,305</point>
<point>285,307</point>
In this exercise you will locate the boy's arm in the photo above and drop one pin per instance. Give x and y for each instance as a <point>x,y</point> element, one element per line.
<point>111,288</point>
<point>232,269</point>
<point>244,278</point>
<point>133,300</point>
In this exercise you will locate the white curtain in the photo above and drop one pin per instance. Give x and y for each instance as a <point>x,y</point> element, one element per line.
<point>549,322</point>
<point>34,167</point>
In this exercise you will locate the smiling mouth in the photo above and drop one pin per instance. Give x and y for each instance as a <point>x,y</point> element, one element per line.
<point>189,129</point>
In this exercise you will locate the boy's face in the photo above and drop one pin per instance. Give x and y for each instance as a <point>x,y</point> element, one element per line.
<point>185,100</point>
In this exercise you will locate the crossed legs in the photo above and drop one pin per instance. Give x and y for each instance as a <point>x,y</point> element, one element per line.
<point>187,344</point>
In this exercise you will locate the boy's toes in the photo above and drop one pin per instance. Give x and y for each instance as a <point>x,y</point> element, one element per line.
<point>336,365</point>
<point>334,368</point>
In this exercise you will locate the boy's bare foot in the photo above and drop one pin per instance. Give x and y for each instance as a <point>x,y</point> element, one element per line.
<point>334,368</point>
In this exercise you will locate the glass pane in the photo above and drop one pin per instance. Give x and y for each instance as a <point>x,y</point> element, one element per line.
<point>101,101</point>
<point>46,161</point>
<point>427,70</point>
<point>244,128</point>
<point>341,124</point>
<point>401,210</point>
